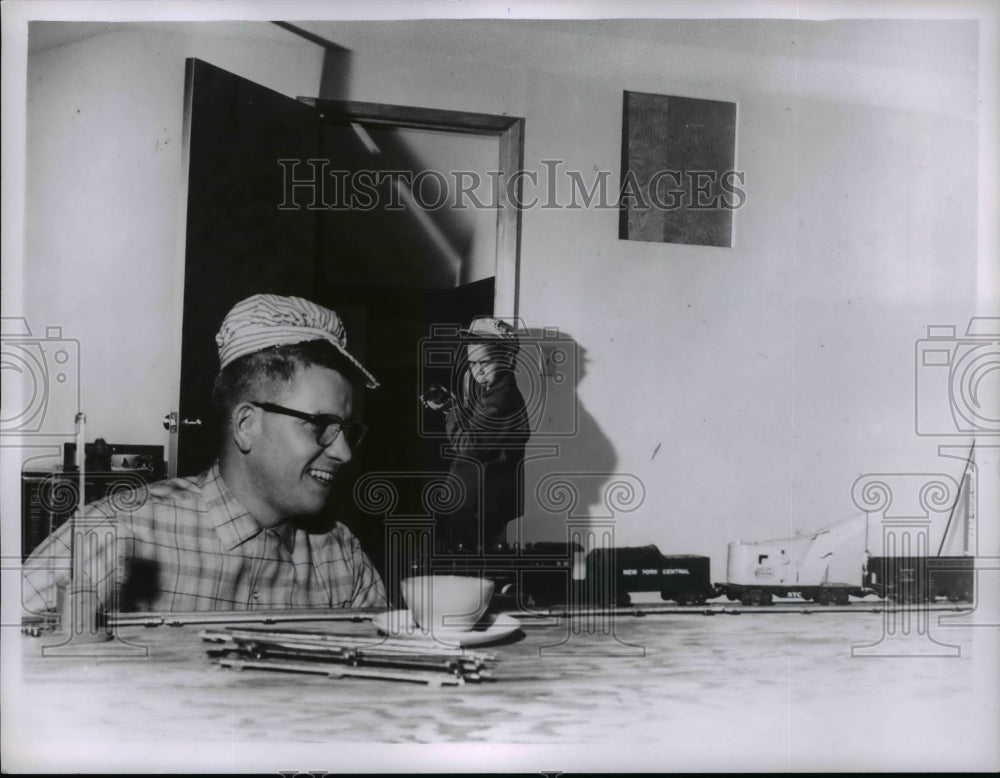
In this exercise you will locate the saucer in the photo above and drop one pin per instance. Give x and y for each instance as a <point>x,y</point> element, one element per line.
<point>400,624</point>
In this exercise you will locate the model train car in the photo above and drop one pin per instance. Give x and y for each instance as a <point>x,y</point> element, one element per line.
<point>825,567</point>
<point>828,568</point>
<point>832,565</point>
<point>552,573</point>
<point>614,573</point>
<point>921,579</point>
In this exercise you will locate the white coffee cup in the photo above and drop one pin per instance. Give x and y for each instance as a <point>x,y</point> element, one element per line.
<point>451,602</point>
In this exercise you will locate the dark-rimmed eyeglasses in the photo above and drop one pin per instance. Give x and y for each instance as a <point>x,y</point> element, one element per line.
<point>327,425</point>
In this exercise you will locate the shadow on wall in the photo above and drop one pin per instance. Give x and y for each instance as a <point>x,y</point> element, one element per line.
<point>572,489</point>
<point>336,76</point>
<point>572,492</point>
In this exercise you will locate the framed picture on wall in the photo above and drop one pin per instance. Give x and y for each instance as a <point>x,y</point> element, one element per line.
<point>678,182</point>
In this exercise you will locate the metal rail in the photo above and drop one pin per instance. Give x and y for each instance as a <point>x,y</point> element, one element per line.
<point>186,618</point>
<point>711,609</point>
<point>366,614</point>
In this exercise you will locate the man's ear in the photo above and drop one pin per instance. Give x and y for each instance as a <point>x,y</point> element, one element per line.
<point>245,426</point>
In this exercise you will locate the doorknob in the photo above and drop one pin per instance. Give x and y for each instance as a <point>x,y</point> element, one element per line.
<point>170,422</point>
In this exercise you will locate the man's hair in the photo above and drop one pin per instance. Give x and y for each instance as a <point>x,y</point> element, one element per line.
<point>264,373</point>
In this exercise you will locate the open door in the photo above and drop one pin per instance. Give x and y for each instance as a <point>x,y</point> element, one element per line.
<point>238,242</point>
<point>393,322</point>
<point>390,274</point>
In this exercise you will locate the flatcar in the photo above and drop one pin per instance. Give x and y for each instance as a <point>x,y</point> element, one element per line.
<point>825,567</point>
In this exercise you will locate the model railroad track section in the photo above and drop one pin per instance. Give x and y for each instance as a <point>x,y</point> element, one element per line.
<point>346,656</point>
<point>709,609</point>
<point>37,625</point>
<point>193,618</point>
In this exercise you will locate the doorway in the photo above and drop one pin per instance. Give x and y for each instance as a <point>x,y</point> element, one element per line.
<point>391,274</point>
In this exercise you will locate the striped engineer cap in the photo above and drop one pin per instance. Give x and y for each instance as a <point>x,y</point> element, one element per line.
<point>266,320</point>
<point>486,328</point>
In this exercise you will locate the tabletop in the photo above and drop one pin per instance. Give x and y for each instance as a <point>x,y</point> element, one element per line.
<point>788,686</point>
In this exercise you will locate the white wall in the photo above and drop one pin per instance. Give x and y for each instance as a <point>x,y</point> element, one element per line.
<point>104,125</point>
<point>774,373</point>
<point>770,375</point>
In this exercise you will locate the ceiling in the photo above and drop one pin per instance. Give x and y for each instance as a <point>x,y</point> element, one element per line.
<point>930,45</point>
<point>542,43</point>
<point>48,35</point>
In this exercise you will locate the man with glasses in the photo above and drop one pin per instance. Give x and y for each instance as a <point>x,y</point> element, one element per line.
<point>238,536</point>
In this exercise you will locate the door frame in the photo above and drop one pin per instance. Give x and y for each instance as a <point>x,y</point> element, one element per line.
<point>509,130</point>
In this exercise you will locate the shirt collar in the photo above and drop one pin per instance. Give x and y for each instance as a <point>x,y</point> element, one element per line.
<point>234,523</point>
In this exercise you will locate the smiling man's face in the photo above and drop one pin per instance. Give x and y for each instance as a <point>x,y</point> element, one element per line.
<point>292,474</point>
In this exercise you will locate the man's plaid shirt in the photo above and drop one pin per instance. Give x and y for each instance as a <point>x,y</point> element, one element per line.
<point>188,545</point>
